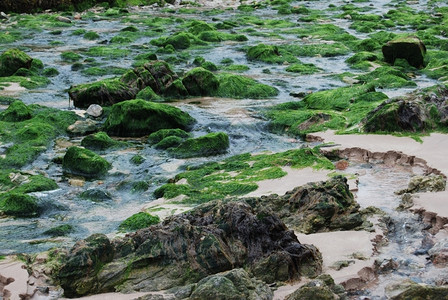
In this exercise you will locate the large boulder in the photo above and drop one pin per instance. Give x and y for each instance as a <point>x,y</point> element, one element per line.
<point>103,92</point>
<point>84,162</point>
<point>12,60</point>
<point>410,48</point>
<point>18,205</point>
<point>139,118</point>
<point>84,260</point>
<point>212,238</point>
<point>420,111</point>
<point>315,207</point>
<point>200,82</point>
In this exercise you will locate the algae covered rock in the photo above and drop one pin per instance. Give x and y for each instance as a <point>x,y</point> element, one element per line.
<point>12,60</point>
<point>100,141</point>
<point>321,288</point>
<point>265,53</point>
<point>428,183</point>
<point>85,259</point>
<point>237,86</point>
<point>16,112</point>
<point>212,238</point>
<point>139,118</point>
<point>104,92</point>
<point>423,292</point>
<point>410,48</point>
<point>19,205</point>
<point>200,82</point>
<point>61,230</point>
<point>161,134</point>
<point>231,285</point>
<point>209,144</point>
<point>138,221</point>
<point>84,162</point>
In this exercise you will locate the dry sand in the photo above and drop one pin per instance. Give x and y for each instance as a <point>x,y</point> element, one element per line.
<point>13,279</point>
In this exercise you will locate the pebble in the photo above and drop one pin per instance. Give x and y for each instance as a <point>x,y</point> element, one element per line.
<point>94,110</point>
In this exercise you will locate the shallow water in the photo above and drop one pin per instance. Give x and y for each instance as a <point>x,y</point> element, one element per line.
<point>239,118</point>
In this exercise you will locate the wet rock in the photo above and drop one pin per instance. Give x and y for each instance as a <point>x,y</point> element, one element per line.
<point>322,288</point>
<point>420,111</point>
<point>430,183</point>
<point>341,164</point>
<point>100,141</point>
<point>94,110</point>
<point>262,52</point>
<point>200,82</point>
<point>212,238</point>
<point>12,60</point>
<point>139,118</point>
<point>439,253</point>
<point>96,195</point>
<point>63,19</point>
<point>231,285</point>
<point>104,92</point>
<point>16,112</point>
<point>417,291</point>
<point>85,259</point>
<point>210,144</point>
<point>83,162</point>
<point>384,266</point>
<point>316,207</point>
<point>18,205</point>
<point>83,127</point>
<point>410,48</point>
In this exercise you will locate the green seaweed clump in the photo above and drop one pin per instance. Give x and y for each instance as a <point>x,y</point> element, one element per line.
<point>237,86</point>
<point>100,141</point>
<point>139,118</point>
<point>161,134</point>
<point>210,144</point>
<point>138,221</point>
<point>265,53</point>
<point>387,77</point>
<point>303,69</point>
<point>61,230</point>
<point>17,111</point>
<point>237,175</point>
<point>12,60</point>
<point>84,162</point>
<point>200,82</point>
<point>19,205</point>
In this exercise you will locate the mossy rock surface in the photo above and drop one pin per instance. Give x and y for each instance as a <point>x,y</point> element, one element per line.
<point>12,60</point>
<point>139,118</point>
<point>19,205</point>
<point>100,141</point>
<point>61,230</point>
<point>161,134</point>
<point>264,53</point>
<point>96,195</point>
<point>200,82</point>
<point>237,86</point>
<point>104,92</point>
<point>84,162</point>
<point>16,112</point>
<point>209,144</point>
<point>148,94</point>
<point>138,221</point>
<point>410,48</point>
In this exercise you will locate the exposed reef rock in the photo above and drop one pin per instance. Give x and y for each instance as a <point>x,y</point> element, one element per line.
<point>316,207</point>
<point>213,238</point>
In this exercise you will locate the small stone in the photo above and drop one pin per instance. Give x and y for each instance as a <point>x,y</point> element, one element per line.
<point>64,19</point>
<point>94,110</point>
<point>3,16</point>
<point>77,17</point>
<point>82,127</point>
<point>341,164</point>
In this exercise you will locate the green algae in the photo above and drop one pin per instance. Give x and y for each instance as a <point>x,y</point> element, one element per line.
<point>237,86</point>
<point>19,205</point>
<point>200,82</point>
<point>70,56</point>
<point>303,69</point>
<point>17,111</point>
<point>101,141</point>
<point>12,60</point>
<point>137,159</point>
<point>138,221</point>
<point>108,52</point>
<point>238,175</point>
<point>84,162</point>
<point>387,77</point>
<point>105,70</point>
<point>20,182</point>
<point>32,136</point>
<point>269,54</point>
<point>361,60</point>
<point>91,35</point>
<point>210,144</point>
<point>61,230</point>
<point>321,49</point>
<point>148,94</point>
<point>161,134</point>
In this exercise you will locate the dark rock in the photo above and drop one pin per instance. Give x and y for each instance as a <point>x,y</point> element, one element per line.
<point>85,259</point>
<point>96,195</point>
<point>104,92</point>
<point>12,60</point>
<point>315,207</point>
<point>410,48</point>
<point>212,238</point>
<point>430,183</point>
<point>420,111</point>
<point>139,118</point>
<point>322,288</point>
<point>423,292</point>
<point>231,285</point>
